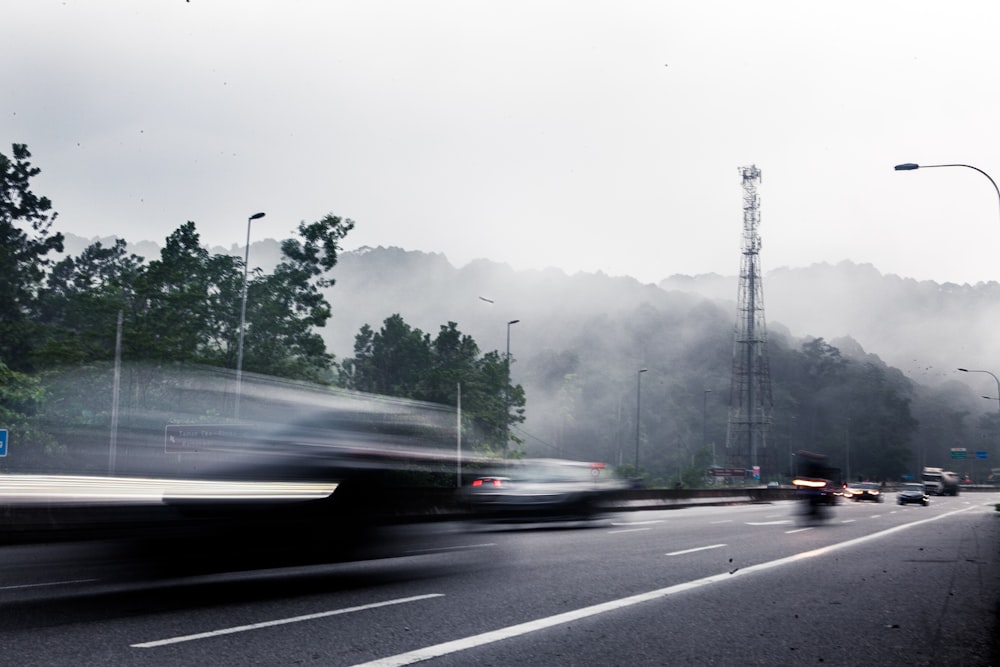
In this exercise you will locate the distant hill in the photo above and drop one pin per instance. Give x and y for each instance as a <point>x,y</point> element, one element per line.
<point>924,328</point>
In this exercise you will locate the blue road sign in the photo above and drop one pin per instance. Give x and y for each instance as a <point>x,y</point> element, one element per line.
<point>3,442</point>
<point>982,454</point>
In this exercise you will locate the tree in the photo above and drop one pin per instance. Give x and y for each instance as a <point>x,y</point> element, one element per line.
<point>25,243</point>
<point>285,309</point>
<point>20,395</point>
<point>176,305</point>
<point>399,360</point>
<point>393,361</point>
<point>185,306</point>
<point>80,303</point>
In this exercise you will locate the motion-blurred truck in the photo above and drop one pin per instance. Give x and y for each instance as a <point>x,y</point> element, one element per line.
<point>940,482</point>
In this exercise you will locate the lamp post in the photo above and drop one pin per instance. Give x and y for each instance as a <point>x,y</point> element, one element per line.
<point>972,370</point>
<point>506,394</point>
<point>911,166</point>
<point>243,315</point>
<point>704,422</point>
<point>638,397</point>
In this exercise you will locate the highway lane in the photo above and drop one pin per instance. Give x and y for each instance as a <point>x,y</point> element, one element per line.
<point>710,585</point>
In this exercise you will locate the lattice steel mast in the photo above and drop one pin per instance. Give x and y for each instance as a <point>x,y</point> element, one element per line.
<point>750,389</point>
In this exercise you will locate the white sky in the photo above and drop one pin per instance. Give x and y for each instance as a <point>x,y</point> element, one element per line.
<point>583,135</point>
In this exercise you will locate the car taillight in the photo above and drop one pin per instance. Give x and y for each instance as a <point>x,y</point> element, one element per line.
<point>497,482</point>
<point>477,482</point>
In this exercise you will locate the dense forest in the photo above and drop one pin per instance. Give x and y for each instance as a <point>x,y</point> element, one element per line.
<point>406,324</point>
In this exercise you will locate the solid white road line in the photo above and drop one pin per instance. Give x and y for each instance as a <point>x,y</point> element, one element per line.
<point>691,551</point>
<point>460,547</point>
<point>466,643</point>
<point>627,530</point>
<point>281,621</point>
<point>47,583</point>
<point>636,523</point>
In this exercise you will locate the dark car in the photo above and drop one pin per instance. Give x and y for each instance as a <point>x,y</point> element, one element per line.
<point>542,489</point>
<point>816,491</point>
<point>912,493</point>
<point>864,491</point>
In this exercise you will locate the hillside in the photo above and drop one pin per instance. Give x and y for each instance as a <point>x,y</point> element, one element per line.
<point>924,328</point>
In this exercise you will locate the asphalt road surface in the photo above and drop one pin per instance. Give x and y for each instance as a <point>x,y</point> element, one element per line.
<point>736,585</point>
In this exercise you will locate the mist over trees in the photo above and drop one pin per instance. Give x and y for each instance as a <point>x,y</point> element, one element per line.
<point>581,340</point>
<point>575,353</point>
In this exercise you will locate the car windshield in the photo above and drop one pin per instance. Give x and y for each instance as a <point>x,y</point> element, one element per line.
<point>913,487</point>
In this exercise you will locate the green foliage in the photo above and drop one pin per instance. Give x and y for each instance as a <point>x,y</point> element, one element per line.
<point>25,243</point>
<point>399,360</point>
<point>184,307</point>
<point>285,309</point>
<point>80,303</point>
<point>20,395</point>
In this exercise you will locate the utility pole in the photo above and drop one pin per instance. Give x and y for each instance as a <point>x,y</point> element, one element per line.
<point>750,398</point>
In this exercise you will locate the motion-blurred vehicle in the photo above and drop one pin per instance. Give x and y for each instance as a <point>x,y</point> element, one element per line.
<point>486,484</point>
<point>814,486</point>
<point>913,492</point>
<point>940,482</point>
<point>864,491</point>
<point>534,489</point>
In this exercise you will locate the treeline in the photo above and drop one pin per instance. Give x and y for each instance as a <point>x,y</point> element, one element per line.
<point>64,320</point>
<point>399,360</point>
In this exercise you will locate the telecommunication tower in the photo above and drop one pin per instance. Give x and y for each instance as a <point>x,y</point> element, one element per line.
<point>750,388</point>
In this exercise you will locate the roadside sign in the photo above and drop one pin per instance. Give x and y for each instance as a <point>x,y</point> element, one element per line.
<point>958,453</point>
<point>190,438</point>
<point>982,454</point>
<point>727,472</point>
<point>3,442</point>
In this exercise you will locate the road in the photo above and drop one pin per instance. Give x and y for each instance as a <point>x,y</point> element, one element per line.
<point>734,585</point>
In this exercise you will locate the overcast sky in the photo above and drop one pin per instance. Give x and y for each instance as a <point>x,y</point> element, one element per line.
<point>582,135</point>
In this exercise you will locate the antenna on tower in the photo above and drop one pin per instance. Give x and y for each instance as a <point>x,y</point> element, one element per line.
<point>750,389</point>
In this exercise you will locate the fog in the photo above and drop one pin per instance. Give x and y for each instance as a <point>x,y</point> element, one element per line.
<point>580,340</point>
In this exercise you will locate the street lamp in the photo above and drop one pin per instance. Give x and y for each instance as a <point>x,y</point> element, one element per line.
<point>638,395</point>
<point>971,370</point>
<point>704,422</point>
<point>506,394</point>
<point>911,166</point>
<point>243,315</point>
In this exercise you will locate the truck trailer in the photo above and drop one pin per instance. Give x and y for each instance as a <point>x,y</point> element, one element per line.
<point>940,482</point>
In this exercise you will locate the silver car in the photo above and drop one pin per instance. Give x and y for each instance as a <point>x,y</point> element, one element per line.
<point>535,489</point>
